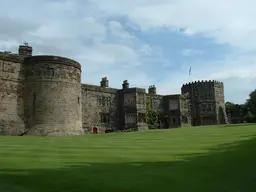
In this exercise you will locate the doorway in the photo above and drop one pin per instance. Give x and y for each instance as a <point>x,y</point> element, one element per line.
<point>94,130</point>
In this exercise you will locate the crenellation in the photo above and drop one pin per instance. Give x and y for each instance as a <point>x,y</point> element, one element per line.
<point>207,102</point>
<point>43,95</point>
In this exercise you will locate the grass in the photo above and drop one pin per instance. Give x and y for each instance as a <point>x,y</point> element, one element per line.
<point>212,159</point>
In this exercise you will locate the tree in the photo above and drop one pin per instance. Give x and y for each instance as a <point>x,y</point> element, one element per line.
<point>237,112</point>
<point>251,102</point>
<point>250,105</point>
<point>153,116</point>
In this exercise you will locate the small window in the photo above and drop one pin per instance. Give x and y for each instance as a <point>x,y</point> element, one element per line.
<point>78,100</point>
<point>6,66</point>
<point>105,117</point>
<point>1,65</point>
<point>34,103</point>
<point>50,72</point>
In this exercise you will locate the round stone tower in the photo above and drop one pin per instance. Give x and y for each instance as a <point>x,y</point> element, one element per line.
<point>11,102</point>
<point>52,96</point>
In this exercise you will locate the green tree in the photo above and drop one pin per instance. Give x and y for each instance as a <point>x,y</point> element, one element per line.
<point>250,105</point>
<point>251,102</point>
<point>153,116</point>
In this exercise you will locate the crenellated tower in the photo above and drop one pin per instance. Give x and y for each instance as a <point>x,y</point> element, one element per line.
<point>206,102</point>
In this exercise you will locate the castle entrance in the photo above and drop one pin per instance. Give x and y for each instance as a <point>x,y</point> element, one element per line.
<point>221,116</point>
<point>94,130</point>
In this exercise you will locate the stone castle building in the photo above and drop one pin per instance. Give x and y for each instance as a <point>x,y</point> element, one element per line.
<point>43,95</point>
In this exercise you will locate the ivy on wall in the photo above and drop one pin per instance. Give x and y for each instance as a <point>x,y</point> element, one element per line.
<point>153,116</point>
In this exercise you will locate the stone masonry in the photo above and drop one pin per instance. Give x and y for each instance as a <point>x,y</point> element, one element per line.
<point>206,103</point>
<point>43,95</point>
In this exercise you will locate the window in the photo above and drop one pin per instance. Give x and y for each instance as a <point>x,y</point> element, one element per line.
<point>50,72</point>
<point>1,65</point>
<point>6,66</point>
<point>141,99</point>
<point>41,73</point>
<point>104,117</point>
<point>34,103</point>
<point>130,118</point>
<point>173,104</point>
<point>99,100</point>
<point>104,101</point>
<point>209,107</point>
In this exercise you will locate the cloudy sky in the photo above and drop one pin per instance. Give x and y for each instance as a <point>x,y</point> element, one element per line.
<point>145,41</point>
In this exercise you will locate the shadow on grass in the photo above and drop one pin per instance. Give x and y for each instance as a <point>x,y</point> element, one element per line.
<point>237,125</point>
<point>226,168</point>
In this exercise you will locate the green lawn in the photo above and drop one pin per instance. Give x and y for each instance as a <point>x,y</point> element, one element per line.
<point>205,159</point>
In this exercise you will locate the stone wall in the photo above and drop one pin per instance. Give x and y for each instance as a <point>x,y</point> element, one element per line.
<point>11,102</point>
<point>129,111</point>
<point>99,108</point>
<point>134,108</point>
<point>220,109</point>
<point>52,96</point>
<point>185,111</point>
<point>43,95</point>
<point>206,97</point>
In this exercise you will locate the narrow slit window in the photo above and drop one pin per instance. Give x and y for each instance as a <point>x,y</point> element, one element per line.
<point>34,103</point>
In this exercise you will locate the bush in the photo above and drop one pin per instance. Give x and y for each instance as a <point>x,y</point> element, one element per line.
<point>251,119</point>
<point>109,131</point>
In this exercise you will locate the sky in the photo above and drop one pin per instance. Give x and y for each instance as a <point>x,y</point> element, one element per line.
<point>147,42</point>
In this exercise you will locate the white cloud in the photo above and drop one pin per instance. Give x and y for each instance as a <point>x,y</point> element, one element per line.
<point>80,30</point>
<point>192,52</point>
<point>237,73</point>
<point>146,49</point>
<point>230,21</point>
<point>117,30</point>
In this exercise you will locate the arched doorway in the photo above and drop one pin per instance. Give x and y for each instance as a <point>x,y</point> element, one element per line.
<point>221,116</point>
<point>94,130</point>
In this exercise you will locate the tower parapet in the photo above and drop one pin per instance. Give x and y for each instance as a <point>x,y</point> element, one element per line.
<point>201,83</point>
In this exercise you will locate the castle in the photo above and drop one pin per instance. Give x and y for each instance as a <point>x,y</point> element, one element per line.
<point>43,95</point>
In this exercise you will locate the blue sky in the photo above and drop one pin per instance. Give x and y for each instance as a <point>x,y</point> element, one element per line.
<point>147,41</point>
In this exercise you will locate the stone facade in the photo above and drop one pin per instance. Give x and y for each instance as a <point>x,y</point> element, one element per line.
<point>206,105</point>
<point>99,108</point>
<point>52,96</point>
<point>11,101</point>
<point>43,95</point>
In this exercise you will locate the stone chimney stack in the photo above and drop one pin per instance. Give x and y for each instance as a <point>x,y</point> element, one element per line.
<point>125,84</point>
<point>152,90</point>
<point>25,50</point>
<point>104,82</point>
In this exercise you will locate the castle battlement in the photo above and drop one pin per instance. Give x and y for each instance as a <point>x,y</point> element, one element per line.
<point>203,83</point>
<point>43,95</point>
<point>51,59</point>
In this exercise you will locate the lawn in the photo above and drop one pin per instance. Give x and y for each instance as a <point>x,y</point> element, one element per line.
<point>200,159</point>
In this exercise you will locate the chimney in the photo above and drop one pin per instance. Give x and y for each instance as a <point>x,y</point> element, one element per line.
<point>125,84</point>
<point>104,82</point>
<point>152,90</point>
<point>25,50</point>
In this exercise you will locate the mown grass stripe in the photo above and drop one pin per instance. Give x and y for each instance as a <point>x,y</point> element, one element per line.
<point>214,158</point>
